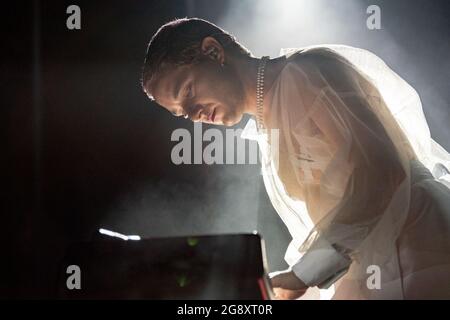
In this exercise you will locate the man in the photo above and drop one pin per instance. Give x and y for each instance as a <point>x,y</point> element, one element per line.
<point>342,153</point>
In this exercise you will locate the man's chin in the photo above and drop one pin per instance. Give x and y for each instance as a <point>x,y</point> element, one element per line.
<point>231,121</point>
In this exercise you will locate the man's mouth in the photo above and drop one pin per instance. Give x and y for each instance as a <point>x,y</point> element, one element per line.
<point>212,115</point>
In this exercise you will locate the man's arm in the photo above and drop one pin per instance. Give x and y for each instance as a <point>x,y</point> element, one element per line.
<point>344,113</point>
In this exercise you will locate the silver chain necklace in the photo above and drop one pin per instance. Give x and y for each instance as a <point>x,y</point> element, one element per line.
<point>260,93</point>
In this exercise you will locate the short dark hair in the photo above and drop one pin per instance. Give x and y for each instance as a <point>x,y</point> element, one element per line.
<point>178,42</point>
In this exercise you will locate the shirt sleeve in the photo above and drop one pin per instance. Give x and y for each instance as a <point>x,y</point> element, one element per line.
<point>322,265</point>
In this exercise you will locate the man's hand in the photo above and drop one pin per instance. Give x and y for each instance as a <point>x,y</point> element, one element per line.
<point>286,285</point>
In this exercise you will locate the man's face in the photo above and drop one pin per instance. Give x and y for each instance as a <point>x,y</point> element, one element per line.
<point>205,92</point>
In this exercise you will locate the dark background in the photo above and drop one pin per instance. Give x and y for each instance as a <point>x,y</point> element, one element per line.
<point>85,149</point>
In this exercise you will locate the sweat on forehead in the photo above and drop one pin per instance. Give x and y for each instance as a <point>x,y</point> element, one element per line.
<point>166,79</point>
<point>166,84</point>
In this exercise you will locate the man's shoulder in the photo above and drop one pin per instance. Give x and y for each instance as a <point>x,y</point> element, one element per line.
<point>322,60</point>
<point>324,66</point>
<point>317,55</point>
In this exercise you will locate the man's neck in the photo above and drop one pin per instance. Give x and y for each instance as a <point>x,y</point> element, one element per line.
<point>247,70</point>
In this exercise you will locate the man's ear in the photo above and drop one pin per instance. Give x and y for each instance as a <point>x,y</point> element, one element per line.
<point>213,49</point>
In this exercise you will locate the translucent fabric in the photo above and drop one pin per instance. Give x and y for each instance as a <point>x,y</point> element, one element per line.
<point>351,135</point>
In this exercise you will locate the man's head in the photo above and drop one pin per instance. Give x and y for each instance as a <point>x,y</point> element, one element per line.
<point>189,70</point>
